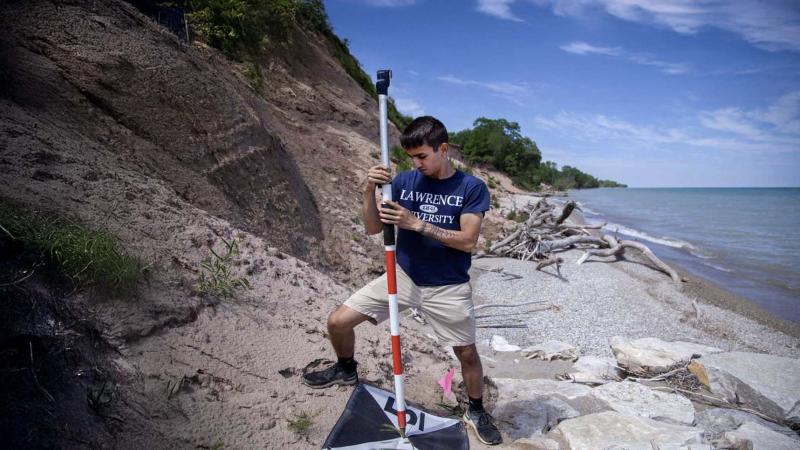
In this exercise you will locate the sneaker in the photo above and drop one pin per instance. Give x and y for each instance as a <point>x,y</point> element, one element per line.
<point>483,424</point>
<point>333,375</point>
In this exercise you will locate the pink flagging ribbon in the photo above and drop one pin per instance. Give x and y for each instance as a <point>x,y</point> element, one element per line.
<point>446,382</point>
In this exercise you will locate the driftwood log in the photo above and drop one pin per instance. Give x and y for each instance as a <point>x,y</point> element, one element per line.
<point>546,231</point>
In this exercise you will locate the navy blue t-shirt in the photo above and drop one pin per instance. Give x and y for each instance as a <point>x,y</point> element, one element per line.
<point>439,202</point>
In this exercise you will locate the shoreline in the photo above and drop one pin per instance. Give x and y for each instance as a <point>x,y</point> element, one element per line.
<point>695,287</point>
<point>710,292</point>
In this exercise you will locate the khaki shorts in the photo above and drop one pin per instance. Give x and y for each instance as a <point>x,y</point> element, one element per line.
<point>448,309</point>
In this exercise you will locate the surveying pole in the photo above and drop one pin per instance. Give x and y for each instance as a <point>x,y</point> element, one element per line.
<point>382,86</point>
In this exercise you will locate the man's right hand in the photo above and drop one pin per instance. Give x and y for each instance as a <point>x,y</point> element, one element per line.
<point>376,175</point>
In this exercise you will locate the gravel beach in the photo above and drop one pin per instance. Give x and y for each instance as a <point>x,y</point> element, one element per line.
<point>602,298</point>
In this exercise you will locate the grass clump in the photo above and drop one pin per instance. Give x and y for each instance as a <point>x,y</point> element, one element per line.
<point>400,159</point>
<point>217,278</point>
<point>301,424</point>
<point>87,256</point>
<point>518,216</point>
<point>254,77</point>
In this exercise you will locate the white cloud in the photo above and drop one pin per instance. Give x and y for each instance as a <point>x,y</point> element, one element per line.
<point>499,87</point>
<point>498,8</point>
<point>769,24</point>
<point>582,48</point>
<point>409,107</point>
<point>775,129</point>
<point>666,67</point>
<point>512,92</point>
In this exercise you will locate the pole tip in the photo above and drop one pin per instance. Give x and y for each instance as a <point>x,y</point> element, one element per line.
<point>382,85</point>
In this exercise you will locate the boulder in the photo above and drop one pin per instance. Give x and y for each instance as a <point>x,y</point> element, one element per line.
<point>765,383</point>
<point>594,370</point>
<point>716,421</point>
<point>532,417</point>
<point>536,443</point>
<point>562,399</point>
<point>500,344</point>
<point>513,389</point>
<point>752,436</point>
<point>632,398</point>
<point>654,354</point>
<point>551,350</point>
<point>611,429</point>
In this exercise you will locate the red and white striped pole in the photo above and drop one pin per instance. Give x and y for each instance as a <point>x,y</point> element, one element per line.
<point>382,87</point>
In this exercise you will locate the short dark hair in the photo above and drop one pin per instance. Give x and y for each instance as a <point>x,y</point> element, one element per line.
<point>424,130</point>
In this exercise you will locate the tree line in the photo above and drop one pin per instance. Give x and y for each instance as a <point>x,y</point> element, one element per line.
<point>500,143</point>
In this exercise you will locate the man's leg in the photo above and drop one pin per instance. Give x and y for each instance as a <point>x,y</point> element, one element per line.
<point>476,416</point>
<point>341,323</point>
<point>471,369</point>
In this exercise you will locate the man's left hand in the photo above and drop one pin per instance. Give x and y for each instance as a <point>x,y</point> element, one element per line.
<point>399,216</point>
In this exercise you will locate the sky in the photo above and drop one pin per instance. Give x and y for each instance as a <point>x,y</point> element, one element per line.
<point>651,93</point>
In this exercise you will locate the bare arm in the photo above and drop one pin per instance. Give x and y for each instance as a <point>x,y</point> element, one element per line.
<point>376,175</point>
<point>464,239</point>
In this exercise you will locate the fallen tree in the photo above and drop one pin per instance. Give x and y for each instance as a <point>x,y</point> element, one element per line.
<point>546,231</point>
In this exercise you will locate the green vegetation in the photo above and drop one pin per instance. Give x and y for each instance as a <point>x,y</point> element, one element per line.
<point>519,216</point>
<point>301,424</point>
<point>500,143</point>
<point>253,74</point>
<point>217,279</point>
<point>243,29</point>
<point>400,159</point>
<point>87,256</point>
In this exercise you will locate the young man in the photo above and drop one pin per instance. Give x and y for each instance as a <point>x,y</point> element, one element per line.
<point>438,211</point>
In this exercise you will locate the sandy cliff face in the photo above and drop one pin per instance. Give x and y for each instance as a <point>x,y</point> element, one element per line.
<point>100,108</point>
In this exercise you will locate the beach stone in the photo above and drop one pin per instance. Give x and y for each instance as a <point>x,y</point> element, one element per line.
<point>766,383</point>
<point>655,354</point>
<point>537,443</point>
<point>628,397</point>
<point>511,388</point>
<point>752,436</point>
<point>575,395</point>
<point>500,344</point>
<point>716,421</point>
<point>610,429</point>
<point>551,350</point>
<point>532,417</point>
<point>594,370</point>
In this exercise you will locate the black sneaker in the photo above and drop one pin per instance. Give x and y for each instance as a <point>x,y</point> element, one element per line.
<point>334,374</point>
<point>483,424</point>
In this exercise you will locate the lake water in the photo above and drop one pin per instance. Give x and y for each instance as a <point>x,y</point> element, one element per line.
<point>744,239</point>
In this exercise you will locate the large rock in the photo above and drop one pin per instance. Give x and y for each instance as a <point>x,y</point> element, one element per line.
<point>628,397</point>
<point>500,344</point>
<point>513,389</point>
<point>532,417</point>
<point>766,383</point>
<point>716,421</point>
<point>594,370</point>
<point>655,354</point>
<point>529,408</point>
<point>751,436</point>
<point>614,430</point>
<point>551,350</point>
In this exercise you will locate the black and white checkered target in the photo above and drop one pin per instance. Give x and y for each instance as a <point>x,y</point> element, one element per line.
<point>369,421</point>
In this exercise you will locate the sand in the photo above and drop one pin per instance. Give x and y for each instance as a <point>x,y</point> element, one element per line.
<point>231,377</point>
